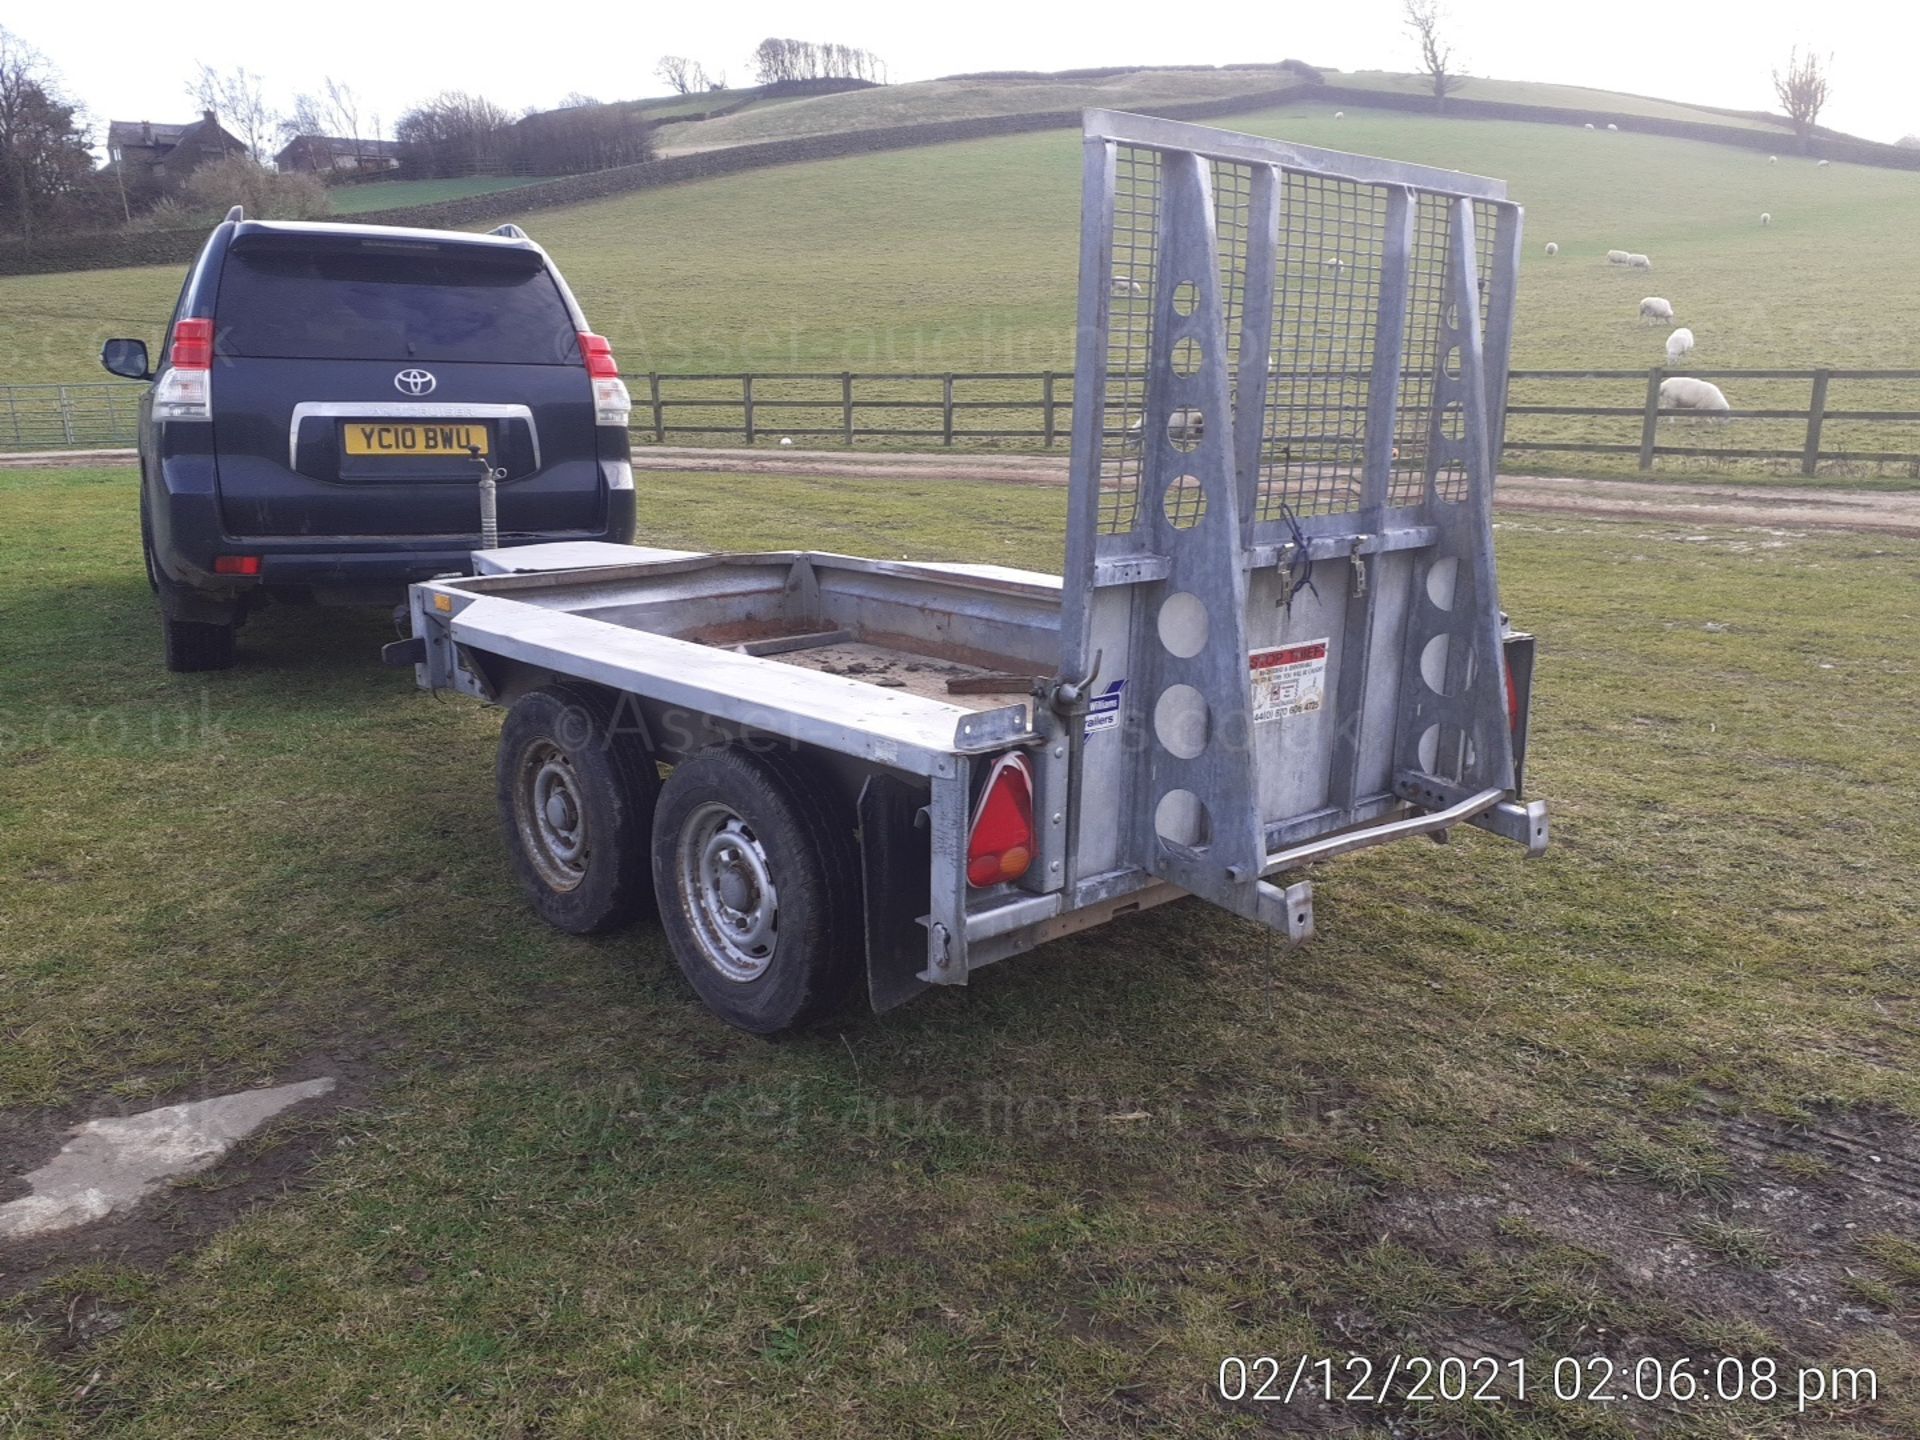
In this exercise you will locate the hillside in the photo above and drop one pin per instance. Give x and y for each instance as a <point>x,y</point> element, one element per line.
<point>962,256</point>
<point>959,99</point>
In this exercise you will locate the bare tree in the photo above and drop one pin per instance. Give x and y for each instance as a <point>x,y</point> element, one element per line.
<point>334,111</point>
<point>238,98</point>
<point>1802,91</point>
<point>1425,20</point>
<point>43,140</point>
<point>683,75</point>
<point>454,133</point>
<point>776,60</point>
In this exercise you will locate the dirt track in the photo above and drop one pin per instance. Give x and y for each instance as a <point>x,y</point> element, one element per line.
<point>1790,507</point>
<point>1782,507</point>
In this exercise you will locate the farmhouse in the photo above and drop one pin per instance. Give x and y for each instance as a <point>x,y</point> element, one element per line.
<point>162,156</point>
<point>328,154</point>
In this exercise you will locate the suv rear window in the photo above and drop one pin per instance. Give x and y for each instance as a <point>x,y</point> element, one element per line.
<point>365,304</point>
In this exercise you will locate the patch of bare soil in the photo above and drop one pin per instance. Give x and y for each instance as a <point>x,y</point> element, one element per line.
<point>1779,1249</point>
<point>180,1217</point>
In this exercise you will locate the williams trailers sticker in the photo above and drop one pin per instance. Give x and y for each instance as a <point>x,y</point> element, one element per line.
<point>1103,711</point>
<point>1288,680</point>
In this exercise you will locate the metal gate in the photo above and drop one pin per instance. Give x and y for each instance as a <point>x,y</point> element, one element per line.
<point>1281,507</point>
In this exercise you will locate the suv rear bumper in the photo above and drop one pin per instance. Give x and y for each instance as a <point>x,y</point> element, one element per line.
<point>188,535</point>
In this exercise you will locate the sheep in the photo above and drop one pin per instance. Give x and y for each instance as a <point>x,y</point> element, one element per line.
<point>1617,257</point>
<point>1334,262</point>
<point>1552,249</point>
<point>1589,125</point>
<point>1773,159</point>
<point>1653,308</point>
<point>1125,285</point>
<point>1612,126</point>
<point>1185,428</point>
<point>1766,217</point>
<point>1683,392</point>
<point>1822,164</point>
<point>1339,114</point>
<point>1678,344</point>
<point>1639,262</point>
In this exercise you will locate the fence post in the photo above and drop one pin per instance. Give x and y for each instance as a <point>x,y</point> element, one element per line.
<point>66,416</point>
<point>1816,417</point>
<point>946,410</point>
<point>746,404</point>
<point>1046,405</point>
<point>659,415</point>
<point>846,405</point>
<point>1650,423</point>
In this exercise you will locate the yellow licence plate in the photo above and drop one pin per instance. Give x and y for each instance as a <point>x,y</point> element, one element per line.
<point>414,438</point>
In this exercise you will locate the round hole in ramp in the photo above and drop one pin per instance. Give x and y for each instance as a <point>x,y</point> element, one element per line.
<point>1429,748</point>
<point>1186,298</point>
<point>1183,624</point>
<point>1181,819</point>
<point>1441,576</point>
<point>1182,721</point>
<point>1184,502</point>
<point>1433,663</point>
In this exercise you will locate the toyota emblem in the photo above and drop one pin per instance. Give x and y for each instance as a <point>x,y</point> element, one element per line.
<point>415,382</point>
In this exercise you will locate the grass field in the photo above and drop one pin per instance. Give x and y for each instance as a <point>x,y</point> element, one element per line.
<point>391,194</point>
<point>963,257</point>
<point>1618,1101</point>
<point>929,100</point>
<point>1566,97</point>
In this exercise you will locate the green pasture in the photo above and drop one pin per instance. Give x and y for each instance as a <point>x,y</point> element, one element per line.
<point>1617,1102</point>
<point>962,257</point>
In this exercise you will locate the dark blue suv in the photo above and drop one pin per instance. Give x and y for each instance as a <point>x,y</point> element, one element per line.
<point>326,398</point>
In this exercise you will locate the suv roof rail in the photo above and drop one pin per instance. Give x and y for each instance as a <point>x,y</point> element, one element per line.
<point>509,230</point>
<point>238,212</point>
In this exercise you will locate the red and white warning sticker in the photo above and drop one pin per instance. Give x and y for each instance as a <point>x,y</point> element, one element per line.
<point>1288,679</point>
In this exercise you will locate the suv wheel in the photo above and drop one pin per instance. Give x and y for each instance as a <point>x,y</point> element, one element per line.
<point>146,544</point>
<point>194,645</point>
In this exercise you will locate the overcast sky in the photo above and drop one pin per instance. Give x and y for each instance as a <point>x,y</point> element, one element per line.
<point>131,61</point>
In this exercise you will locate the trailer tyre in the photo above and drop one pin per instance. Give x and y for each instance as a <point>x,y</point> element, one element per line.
<point>576,795</point>
<point>758,882</point>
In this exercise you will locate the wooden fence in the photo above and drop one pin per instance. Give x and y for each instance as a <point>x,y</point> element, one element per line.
<point>1849,421</point>
<point>1835,421</point>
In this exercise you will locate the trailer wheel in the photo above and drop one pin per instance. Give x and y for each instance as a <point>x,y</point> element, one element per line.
<point>756,874</point>
<point>576,801</point>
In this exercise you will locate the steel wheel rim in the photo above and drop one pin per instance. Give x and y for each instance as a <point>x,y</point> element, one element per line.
<point>551,815</point>
<point>727,892</point>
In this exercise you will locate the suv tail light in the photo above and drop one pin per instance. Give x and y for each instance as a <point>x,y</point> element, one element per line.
<point>184,390</point>
<point>1000,845</point>
<point>611,403</point>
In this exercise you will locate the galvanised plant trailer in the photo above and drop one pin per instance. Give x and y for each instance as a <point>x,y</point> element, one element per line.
<point>1277,639</point>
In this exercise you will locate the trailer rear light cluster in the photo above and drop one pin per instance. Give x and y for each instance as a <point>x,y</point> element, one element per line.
<point>611,403</point>
<point>236,564</point>
<point>184,390</point>
<point>1000,845</point>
